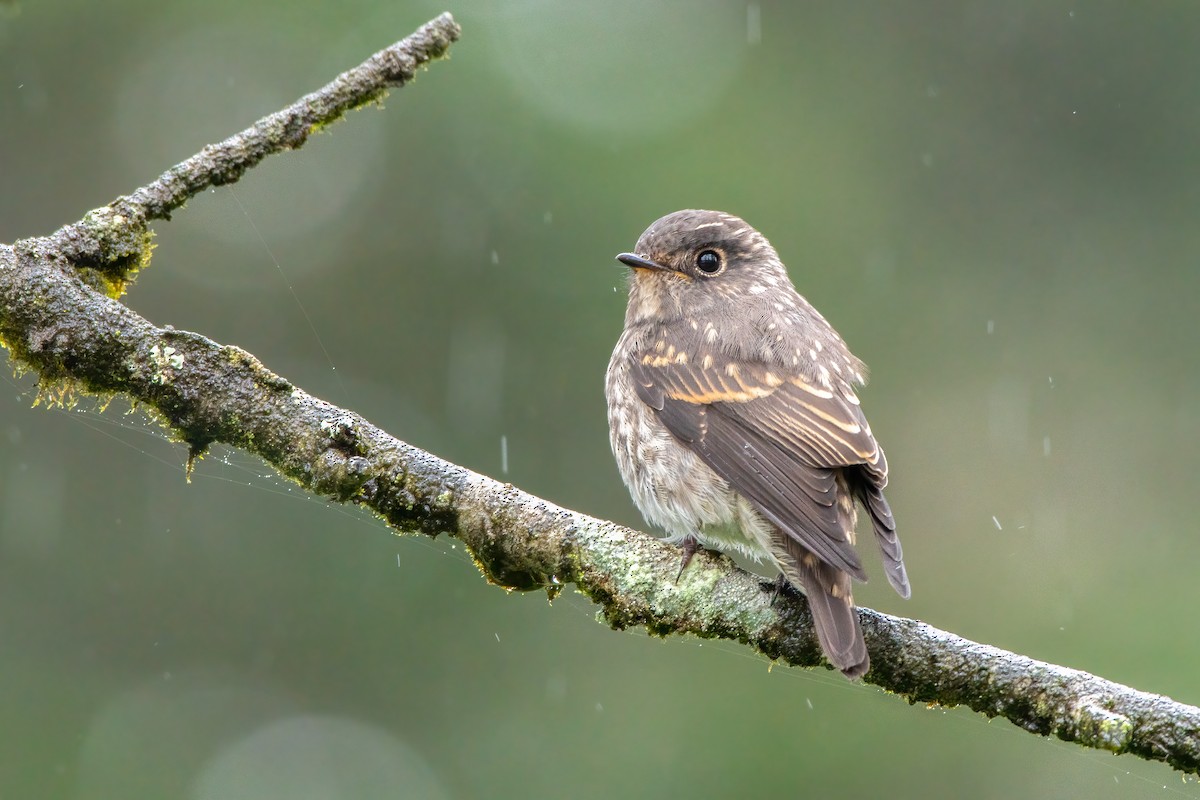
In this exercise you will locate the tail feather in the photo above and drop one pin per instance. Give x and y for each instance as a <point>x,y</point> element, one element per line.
<point>835,619</point>
<point>836,622</point>
<point>885,534</point>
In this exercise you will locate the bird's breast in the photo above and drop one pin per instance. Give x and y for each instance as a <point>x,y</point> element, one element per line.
<point>670,485</point>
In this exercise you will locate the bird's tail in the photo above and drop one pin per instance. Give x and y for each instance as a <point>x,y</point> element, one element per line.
<point>885,534</point>
<point>834,617</point>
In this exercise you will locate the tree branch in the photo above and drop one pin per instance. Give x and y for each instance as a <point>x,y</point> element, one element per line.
<point>59,317</point>
<point>113,242</point>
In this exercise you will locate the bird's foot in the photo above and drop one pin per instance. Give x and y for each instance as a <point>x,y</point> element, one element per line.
<point>690,546</point>
<point>780,586</point>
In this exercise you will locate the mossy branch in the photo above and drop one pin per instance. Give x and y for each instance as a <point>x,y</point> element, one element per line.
<point>113,243</point>
<point>59,317</point>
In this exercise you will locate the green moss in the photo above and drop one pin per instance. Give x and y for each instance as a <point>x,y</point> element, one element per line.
<point>123,247</point>
<point>57,393</point>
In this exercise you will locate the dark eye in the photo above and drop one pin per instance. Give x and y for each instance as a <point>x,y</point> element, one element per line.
<point>708,262</point>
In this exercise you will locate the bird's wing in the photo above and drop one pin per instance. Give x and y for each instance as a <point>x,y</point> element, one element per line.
<point>775,437</point>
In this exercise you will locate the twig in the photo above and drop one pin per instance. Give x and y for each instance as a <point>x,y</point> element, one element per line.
<point>113,240</point>
<point>72,331</point>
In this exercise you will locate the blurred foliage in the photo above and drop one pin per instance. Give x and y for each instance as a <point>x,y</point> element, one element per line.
<point>994,203</point>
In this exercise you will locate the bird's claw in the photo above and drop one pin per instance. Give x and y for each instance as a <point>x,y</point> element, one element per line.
<point>690,547</point>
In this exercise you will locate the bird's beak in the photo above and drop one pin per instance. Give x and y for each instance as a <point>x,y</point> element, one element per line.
<point>637,262</point>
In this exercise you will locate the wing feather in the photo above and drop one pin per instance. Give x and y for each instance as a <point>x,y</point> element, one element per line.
<point>779,440</point>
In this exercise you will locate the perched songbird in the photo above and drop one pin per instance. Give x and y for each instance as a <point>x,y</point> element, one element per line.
<point>734,421</point>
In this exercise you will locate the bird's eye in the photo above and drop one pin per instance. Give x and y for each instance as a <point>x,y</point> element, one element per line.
<point>708,262</point>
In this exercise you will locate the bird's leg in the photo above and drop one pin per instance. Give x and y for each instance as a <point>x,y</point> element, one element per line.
<point>781,584</point>
<point>690,546</point>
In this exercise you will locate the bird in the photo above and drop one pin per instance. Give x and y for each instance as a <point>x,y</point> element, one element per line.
<point>735,422</point>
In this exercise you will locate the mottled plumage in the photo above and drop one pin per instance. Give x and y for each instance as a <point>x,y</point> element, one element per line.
<point>735,423</point>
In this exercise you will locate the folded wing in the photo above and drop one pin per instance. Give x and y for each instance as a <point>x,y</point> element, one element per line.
<point>779,440</point>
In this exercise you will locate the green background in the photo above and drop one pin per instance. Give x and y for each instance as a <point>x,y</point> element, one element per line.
<point>995,203</point>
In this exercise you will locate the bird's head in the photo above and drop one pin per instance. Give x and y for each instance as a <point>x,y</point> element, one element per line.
<point>696,263</point>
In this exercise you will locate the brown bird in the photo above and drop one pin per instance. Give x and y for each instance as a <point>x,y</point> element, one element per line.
<point>735,424</point>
